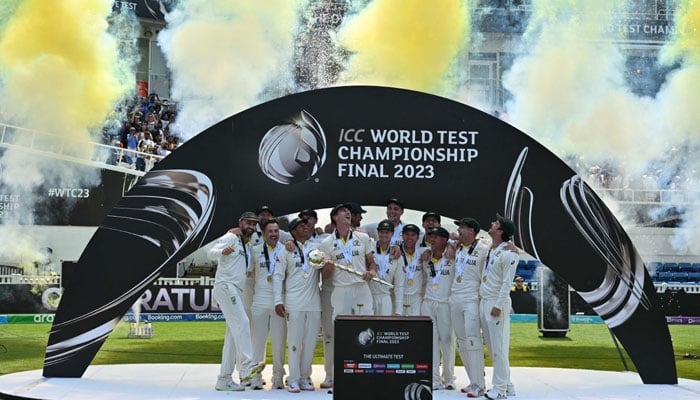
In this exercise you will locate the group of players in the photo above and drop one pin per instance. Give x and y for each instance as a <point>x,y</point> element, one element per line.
<point>266,283</point>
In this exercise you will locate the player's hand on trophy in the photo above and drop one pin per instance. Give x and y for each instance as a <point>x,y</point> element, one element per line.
<point>368,275</point>
<point>328,268</point>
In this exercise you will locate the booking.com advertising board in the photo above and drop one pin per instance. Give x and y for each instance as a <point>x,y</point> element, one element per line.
<point>366,144</point>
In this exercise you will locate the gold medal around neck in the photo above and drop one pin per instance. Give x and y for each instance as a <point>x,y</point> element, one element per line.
<point>459,279</point>
<point>409,282</point>
<point>435,287</point>
<point>349,266</point>
<point>484,279</point>
<point>269,278</point>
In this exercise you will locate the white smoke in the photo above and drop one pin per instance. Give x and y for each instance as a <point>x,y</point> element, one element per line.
<point>227,56</point>
<point>569,93</point>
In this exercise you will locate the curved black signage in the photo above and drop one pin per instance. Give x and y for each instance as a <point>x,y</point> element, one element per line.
<point>367,144</point>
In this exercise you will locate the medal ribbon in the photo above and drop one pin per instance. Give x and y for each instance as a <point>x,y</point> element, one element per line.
<point>461,265</point>
<point>271,261</point>
<point>304,263</point>
<point>345,248</point>
<point>436,278</point>
<point>490,260</point>
<point>245,254</point>
<point>397,234</point>
<point>412,267</point>
<point>383,262</point>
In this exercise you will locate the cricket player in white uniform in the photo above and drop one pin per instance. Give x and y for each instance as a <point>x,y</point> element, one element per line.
<point>390,270</point>
<point>497,279</point>
<point>464,303</point>
<point>430,220</point>
<point>351,294</point>
<point>436,305</point>
<point>264,263</point>
<point>415,274</point>
<point>327,328</point>
<point>297,298</point>
<point>394,211</point>
<point>326,309</point>
<point>232,255</point>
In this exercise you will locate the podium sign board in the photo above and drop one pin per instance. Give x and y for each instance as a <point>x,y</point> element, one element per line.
<point>383,357</point>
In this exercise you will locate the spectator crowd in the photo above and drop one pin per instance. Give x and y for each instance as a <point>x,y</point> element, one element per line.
<point>146,126</point>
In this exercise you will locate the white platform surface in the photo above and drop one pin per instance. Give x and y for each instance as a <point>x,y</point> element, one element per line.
<point>196,381</point>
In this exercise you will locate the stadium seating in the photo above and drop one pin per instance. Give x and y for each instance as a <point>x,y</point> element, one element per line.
<point>695,267</point>
<point>670,267</point>
<point>684,267</point>
<point>662,276</point>
<point>694,277</point>
<point>679,277</point>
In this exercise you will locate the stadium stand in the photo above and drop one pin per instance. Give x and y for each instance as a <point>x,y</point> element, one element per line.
<point>669,267</point>
<point>684,267</point>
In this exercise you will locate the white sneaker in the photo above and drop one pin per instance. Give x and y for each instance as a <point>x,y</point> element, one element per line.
<point>473,391</point>
<point>451,385</point>
<point>327,384</point>
<point>293,387</point>
<point>255,370</point>
<point>306,386</point>
<point>510,390</point>
<point>438,386</point>
<point>229,386</point>
<point>494,394</point>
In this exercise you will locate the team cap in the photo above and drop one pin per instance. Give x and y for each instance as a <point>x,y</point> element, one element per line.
<point>296,221</point>
<point>507,225</point>
<point>431,214</point>
<point>440,231</point>
<point>249,216</point>
<point>385,225</point>
<point>411,227</point>
<point>470,222</point>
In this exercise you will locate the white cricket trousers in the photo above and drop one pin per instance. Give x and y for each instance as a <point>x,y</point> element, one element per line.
<point>443,340</point>
<point>466,322</point>
<point>237,344</point>
<point>266,320</point>
<point>327,326</point>
<point>302,335</point>
<point>497,336</point>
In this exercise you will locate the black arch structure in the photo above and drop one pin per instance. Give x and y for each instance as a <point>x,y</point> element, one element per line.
<point>320,148</point>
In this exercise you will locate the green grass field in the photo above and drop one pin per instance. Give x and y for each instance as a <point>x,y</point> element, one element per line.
<point>586,346</point>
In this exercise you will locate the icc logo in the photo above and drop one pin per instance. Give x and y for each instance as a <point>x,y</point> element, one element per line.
<point>366,337</point>
<point>293,153</point>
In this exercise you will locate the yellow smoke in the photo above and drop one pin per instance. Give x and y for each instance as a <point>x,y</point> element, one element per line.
<point>406,43</point>
<point>57,64</point>
<point>686,42</point>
